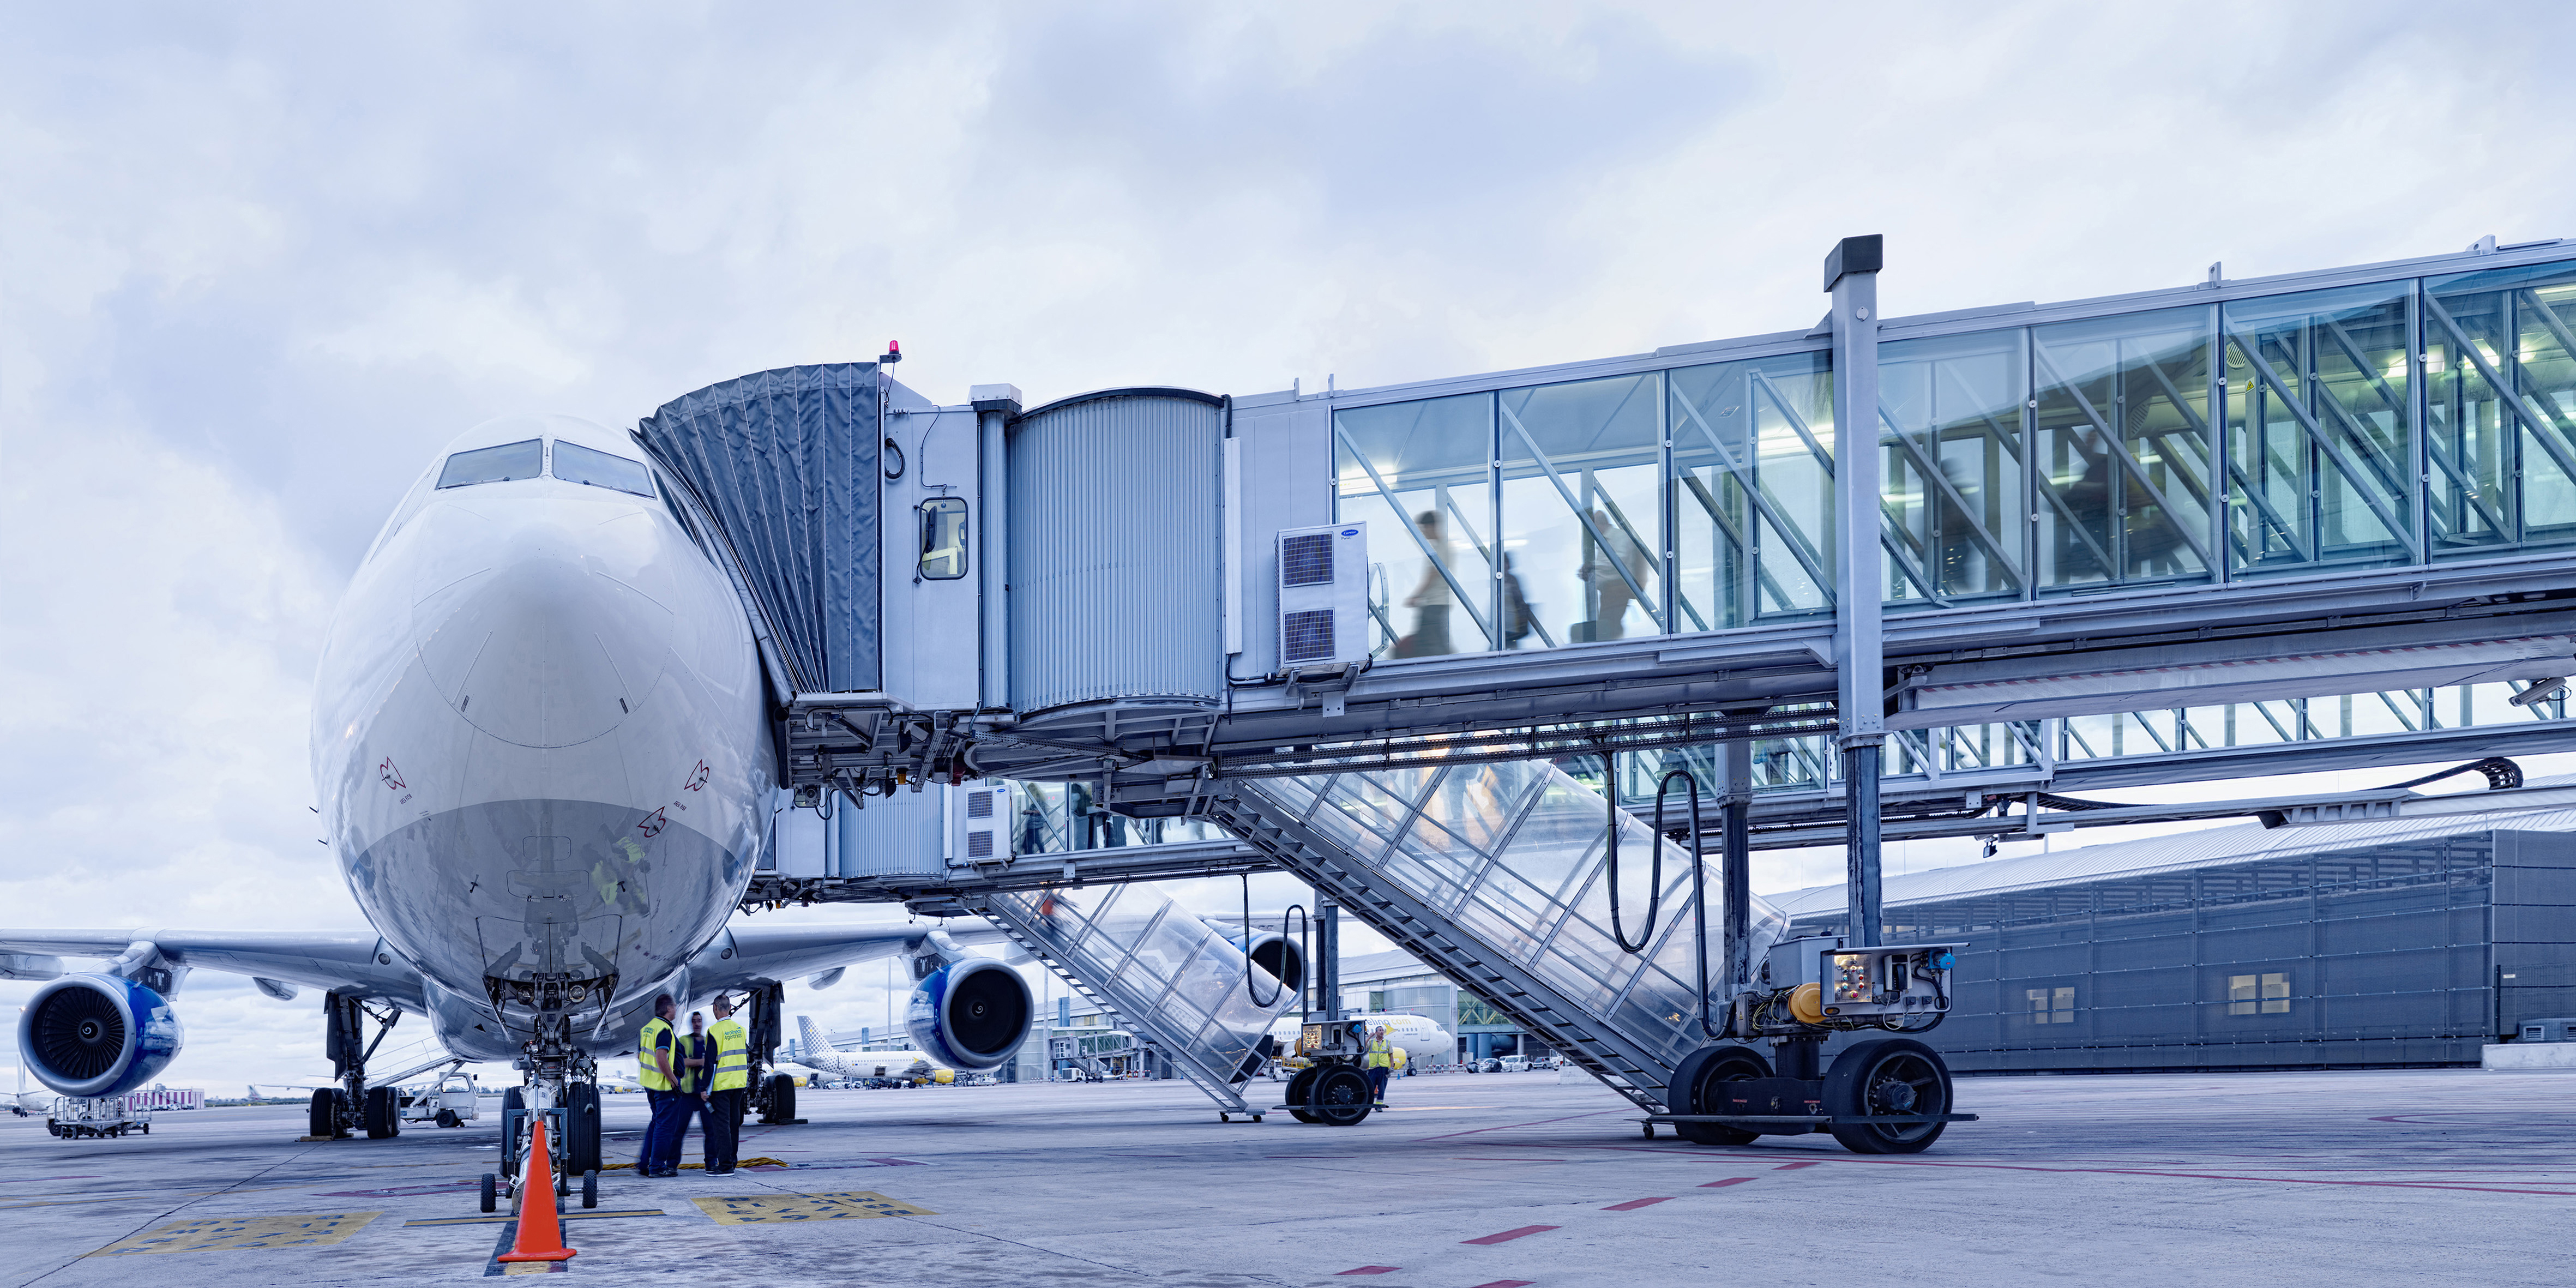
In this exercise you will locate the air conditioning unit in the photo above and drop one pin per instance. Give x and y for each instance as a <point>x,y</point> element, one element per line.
<point>1323,597</point>
<point>979,824</point>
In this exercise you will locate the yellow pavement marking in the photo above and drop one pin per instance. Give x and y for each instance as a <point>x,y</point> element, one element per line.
<point>222,1233</point>
<point>576,1214</point>
<point>765,1209</point>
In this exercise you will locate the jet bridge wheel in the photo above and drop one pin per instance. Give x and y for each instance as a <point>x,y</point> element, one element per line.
<point>1301,1087</point>
<point>1887,1076</point>
<point>1342,1097</point>
<point>1696,1081</point>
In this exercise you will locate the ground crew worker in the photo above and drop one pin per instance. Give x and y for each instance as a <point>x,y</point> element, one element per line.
<point>657,1067</point>
<point>725,1091</point>
<point>1380,1063</point>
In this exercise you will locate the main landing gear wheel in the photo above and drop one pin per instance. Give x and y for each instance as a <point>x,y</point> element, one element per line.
<point>383,1120</point>
<point>1887,1076</point>
<point>323,1118</point>
<point>782,1100</point>
<point>1342,1097</point>
<point>1301,1087</point>
<point>1696,1083</point>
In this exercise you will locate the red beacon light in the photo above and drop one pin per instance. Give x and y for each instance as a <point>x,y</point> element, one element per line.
<point>893,353</point>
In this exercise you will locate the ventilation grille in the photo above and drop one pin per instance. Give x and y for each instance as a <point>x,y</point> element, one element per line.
<point>1306,560</point>
<point>979,805</point>
<point>979,845</point>
<point>1306,637</point>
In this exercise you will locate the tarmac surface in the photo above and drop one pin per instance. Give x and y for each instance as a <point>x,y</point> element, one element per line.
<point>1474,1181</point>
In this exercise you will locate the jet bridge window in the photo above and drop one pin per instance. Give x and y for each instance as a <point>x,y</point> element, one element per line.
<point>575,463</point>
<point>501,464</point>
<point>943,539</point>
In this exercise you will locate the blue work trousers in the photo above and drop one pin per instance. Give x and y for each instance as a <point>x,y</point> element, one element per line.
<point>1377,1083</point>
<point>662,1136</point>
<point>717,1119</point>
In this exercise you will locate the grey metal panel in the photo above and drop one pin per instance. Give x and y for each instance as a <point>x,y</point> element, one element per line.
<point>787,462</point>
<point>1115,585</point>
<point>898,835</point>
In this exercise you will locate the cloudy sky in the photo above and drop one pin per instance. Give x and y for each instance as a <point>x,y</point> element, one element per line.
<point>258,262</point>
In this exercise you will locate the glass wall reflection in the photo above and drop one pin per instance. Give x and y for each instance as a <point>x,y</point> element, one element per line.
<point>1753,489</point>
<point>1417,472</point>
<point>2500,408</point>
<point>2320,446</point>
<point>1950,428</point>
<point>1582,490</point>
<point>2120,430</point>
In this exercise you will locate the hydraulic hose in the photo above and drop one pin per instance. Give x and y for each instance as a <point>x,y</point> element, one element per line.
<point>1249,968</point>
<point>1699,886</point>
<point>1655,887</point>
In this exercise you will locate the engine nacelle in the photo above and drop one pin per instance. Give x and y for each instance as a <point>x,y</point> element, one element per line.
<point>972,1014</point>
<point>1279,955</point>
<point>97,1035</point>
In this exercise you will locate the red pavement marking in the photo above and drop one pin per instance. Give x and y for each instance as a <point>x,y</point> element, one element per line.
<point>1732,1180</point>
<point>1634,1204</point>
<point>1791,1167</point>
<point>1508,1283</point>
<point>1371,1270</point>
<point>1509,1235</point>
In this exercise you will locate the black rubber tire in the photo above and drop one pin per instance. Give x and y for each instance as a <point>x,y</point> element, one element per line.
<point>1695,1083</point>
<point>1342,1097</point>
<point>448,1118</point>
<point>1887,1076</point>
<point>491,1192</point>
<point>1301,1085</point>
<point>377,1114</point>
<point>514,1120</point>
<point>581,1128</point>
<point>782,1099</point>
<point>321,1117</point>
<point>53,1129</point>
<point>590,1189</point>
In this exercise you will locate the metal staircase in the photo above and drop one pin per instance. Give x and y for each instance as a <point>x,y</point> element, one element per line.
<point>1496,876</point>
<point>1154,969</point>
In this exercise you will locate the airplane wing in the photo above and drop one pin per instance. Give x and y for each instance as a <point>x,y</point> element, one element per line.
<point>745,953</point>
<point>353,961</point>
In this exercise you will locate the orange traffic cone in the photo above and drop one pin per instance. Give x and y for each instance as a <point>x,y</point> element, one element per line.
<point>540,1232</point>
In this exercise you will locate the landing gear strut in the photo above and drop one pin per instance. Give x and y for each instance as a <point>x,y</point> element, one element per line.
<point>337,1111</point>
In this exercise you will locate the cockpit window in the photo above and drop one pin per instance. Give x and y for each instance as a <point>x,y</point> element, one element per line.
<point>494,464</point>
<point>575,463</point>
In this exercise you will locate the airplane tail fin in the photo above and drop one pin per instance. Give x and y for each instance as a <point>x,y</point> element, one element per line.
<point>807,1029</point>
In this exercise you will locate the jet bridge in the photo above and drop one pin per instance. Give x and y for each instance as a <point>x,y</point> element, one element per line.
<point>2313,521</point>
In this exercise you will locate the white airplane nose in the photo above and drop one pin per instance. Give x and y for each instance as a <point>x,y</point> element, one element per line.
<point>544,646</point>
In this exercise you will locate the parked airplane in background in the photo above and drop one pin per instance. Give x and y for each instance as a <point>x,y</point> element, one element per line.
<point>1424,1042</point>
<point>815,1051</point>
<point>542,746</point>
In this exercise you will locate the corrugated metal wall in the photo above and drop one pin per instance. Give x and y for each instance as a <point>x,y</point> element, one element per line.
<point>1114,533</point>
<point>2376,955</point>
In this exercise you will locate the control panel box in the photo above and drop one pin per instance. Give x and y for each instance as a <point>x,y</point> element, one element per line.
<point>1861,983</point>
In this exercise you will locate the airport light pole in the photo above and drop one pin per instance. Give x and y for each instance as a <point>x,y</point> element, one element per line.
<point>1851,276</point>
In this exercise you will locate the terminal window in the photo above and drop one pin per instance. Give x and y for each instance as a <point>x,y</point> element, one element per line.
<point>2051,1005</point>
<point>2267,994</point>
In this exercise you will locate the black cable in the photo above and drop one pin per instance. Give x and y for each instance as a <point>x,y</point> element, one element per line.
<point>1655,889</point>
<point>1248,964</point>
<point>1699,885</point>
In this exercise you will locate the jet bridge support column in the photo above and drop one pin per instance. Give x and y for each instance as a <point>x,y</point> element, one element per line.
<point>1851,275</point>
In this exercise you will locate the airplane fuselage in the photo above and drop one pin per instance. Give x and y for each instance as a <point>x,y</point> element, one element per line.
<point>539,738</point>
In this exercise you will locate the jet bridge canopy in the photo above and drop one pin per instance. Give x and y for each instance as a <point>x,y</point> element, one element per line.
<point>786,463</point>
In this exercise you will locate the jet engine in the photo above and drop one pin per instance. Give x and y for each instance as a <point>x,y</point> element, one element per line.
<point>97,1035</point>
<point>971,1014</point>
<point>1279,955</point>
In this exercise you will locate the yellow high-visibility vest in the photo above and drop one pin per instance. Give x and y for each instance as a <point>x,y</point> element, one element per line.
<point>1379,1057</point>
<point>655,1030</point>
<point>733,1056</point>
